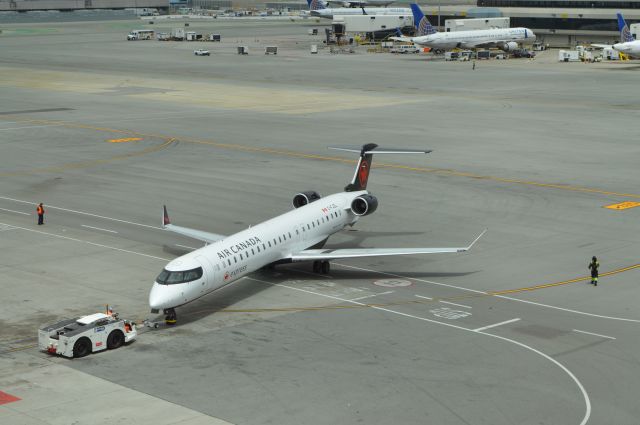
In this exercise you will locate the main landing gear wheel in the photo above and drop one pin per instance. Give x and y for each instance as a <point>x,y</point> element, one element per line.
<point>170,317</point>
<point>325,267</point>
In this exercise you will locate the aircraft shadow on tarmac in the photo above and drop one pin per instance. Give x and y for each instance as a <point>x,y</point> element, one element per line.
<point>244,289</point>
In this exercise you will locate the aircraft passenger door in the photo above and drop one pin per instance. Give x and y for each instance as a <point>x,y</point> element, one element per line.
<point>208,275</point>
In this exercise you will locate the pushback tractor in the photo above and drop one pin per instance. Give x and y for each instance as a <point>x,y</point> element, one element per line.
<point>84,335</point>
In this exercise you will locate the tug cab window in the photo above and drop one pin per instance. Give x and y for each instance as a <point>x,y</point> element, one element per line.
<point>167,277</point>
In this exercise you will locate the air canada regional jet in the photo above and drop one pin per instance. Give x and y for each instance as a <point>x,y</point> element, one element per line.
<point>297,235</point>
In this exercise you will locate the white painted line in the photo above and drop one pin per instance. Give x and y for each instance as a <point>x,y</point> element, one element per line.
<point>484,328</point>
<point>87,242</point>
<point>32,126</point>
<point>373,295</point>
<point>98,228</point>
<point>426,298</point>
<point>594,334</point>
<point>623,319</point>
<point>84,213</point>
<point>13,211</point>
<point>458,305</point>
<point>583,391</point>
<point>185,246</point>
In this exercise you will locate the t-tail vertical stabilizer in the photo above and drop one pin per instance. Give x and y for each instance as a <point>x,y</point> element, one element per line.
<point>361,175</point>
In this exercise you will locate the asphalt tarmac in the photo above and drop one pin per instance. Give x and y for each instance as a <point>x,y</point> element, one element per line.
<point>105,131</point>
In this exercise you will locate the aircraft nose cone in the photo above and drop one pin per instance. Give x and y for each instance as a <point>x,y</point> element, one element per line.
<point>160,297</point>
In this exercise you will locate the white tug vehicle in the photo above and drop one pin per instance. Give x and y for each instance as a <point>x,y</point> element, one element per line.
<point>84,335</point>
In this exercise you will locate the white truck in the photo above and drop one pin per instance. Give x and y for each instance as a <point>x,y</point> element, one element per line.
<point>83,335</point>
<point>140,35</point>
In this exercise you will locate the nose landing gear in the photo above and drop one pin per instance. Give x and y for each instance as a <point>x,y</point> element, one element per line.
<point>170,317</point>
<point>322,267</point>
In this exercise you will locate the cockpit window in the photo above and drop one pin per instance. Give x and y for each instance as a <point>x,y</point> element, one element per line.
<point>167,277</point>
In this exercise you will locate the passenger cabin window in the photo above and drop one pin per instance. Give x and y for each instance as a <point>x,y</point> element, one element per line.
<point>289,235</point>
<point>241,256</point>
<point>167,277</point>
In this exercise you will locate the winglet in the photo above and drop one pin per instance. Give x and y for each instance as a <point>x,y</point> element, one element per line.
<point>474,241</point>
<point>165,217</point>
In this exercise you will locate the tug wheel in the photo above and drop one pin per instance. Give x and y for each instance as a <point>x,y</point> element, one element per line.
<point>115,340</point>
<point>82,347</point>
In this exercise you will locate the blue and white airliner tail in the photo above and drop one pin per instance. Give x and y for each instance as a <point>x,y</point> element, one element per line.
<point>423,26</point>
<point>316,4</point>
<point>625,33</point>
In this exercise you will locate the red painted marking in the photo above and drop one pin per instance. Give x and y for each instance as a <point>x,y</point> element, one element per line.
<point>363,173</point>
<point>7,398</point>
<point>98,344</point>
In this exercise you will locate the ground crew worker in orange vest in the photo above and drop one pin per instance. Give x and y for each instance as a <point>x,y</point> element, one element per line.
<point>40,211</point>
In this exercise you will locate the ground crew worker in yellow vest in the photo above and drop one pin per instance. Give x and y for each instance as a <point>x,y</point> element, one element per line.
<point>593,266</point>
<point>40,211</point>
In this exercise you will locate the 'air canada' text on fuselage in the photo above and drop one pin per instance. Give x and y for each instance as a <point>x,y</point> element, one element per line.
<point>238,248</point>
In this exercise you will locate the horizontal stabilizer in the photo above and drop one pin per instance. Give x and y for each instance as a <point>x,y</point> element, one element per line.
<point>404,39</point>
<point>333,254</point>
<point>377,150</point>
<point>191,233</point>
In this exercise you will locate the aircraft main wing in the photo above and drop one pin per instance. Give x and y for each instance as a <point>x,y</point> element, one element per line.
<point>186,231</point>
<point>333,254</point>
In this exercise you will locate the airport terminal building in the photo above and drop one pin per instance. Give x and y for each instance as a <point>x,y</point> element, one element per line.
<point>559,23</point>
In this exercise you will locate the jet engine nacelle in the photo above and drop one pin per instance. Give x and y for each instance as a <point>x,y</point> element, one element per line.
<point>510,46</point>
<point>364,205</point>
<point>304,198</point>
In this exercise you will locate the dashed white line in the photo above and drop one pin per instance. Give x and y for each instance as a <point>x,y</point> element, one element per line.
<point>484,328</point>
<point>98,228</point>
<point>422,296</point>
<point>14,211</point>
<point>185,246</point>
<point>372,295</point>
<point>32,126</point>
<point>583,391</point>
<point>457,305</point>
<point>584,313</point>
<point>594,334</point>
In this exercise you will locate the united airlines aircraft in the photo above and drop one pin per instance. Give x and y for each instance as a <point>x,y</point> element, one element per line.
<point>426,35</point>
<point>628,45</point>
<point>297,235</point>
<point>318,8</point>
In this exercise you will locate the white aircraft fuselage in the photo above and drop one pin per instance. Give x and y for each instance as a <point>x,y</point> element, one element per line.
<point>342,11</point>
<point>235,256</point>
<point>631,48</point>
<point>475,38</point>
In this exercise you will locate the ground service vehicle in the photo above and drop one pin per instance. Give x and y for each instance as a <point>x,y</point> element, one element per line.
<point>83,335</point>
<point>201,52</point>
<point>140,35</point>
